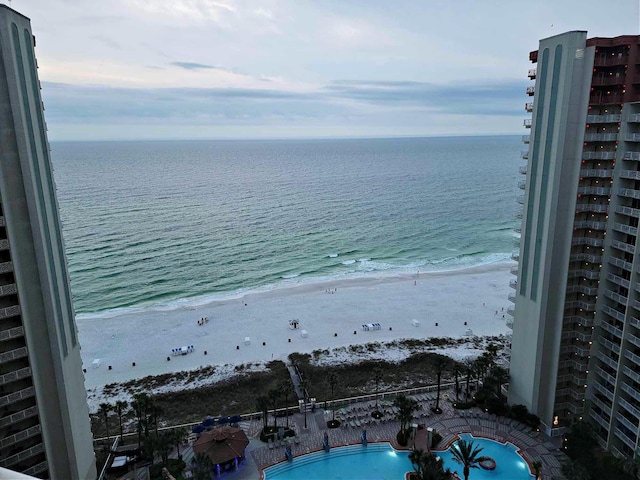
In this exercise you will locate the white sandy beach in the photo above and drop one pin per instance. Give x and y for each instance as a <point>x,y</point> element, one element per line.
<point>446,298</point>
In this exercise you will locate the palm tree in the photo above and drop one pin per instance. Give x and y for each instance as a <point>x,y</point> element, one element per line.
<point>377,378</point>
<point>457,370</point>
<point>163,443</point>
<point>537,468</point>
<point>201,466</point>
<point>492,353</point>
<point>427,466</point>
<point>406,406</point>
<point>468,365</point>
<point>439,364</point>
<point>142,405</point>
<point>304,386</point>
<point>105,408</point>
<point>333,381</point>
<point>179,435</point>
<point>273,395</point>
<point>285,390</point>
<point>498,376</point>
<point>467,454</point>
<point>262,404</point>
<point>121,407</point>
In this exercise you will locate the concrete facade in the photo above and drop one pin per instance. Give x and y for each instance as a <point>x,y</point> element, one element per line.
<point>44,418</point>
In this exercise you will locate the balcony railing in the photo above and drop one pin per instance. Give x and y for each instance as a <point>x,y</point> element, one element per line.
<point>18,416</point>
<point>612,312</point>
<point>618,280</point>
<point>582,273</point>
<point>526,138</point>
<point>13,354</point>
<point>522,184</point>
<point>610,80</point>
<point>631,443</point>
<point>6,267</point>
<point>599,419</point>
<point>590,224</point>
<point>15,332</point>
<point>594,190</point>
<point>579,320</point>
<point>17,396</point>
<point>591,207</point>
<point>632,137</point>
<point>525,154</point>
<point>15,375</point>
<point>582,289</point>
<point>523,169</point>
<point>631,374</point>
<point>635,156</point>
<point>621,227</point>
<point>600,155</point>
<point>630,408</point>
<point>604,118</point>
<point>527,123</point>
<point>630,174</point>
<point>585,257</point>
<point>9,311</point>
<point>633,357</point>
<point>599,99</point>
<point>621,299</point>
<point>594,242</point>
<point>631,212</point>
<point>8,289</point>
<point>20,436</point>
<point>528,107</point>
<point>531,90</point>
<point>600,137</point>
<point>531,73</point>
<point>596,173</point>
<point>622,246</point>
<point>607,376</point>
<point>603,390</point>
<point>604,358</point>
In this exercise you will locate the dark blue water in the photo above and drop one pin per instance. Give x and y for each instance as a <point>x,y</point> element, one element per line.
<point>160,223</point>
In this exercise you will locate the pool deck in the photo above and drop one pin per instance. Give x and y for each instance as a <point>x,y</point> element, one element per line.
<point>356,417</point>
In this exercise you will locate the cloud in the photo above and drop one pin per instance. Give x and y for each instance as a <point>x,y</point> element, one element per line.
<point>193,66</point>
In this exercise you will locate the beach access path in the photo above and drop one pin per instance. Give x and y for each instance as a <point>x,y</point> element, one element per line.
<point>255,328</point>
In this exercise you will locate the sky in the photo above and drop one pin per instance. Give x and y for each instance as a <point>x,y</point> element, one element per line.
<point>204,69</point>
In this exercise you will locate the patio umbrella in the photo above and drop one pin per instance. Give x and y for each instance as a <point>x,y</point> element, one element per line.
<point>198,429</point>
<point>209,421</point>
<point>222,444</point>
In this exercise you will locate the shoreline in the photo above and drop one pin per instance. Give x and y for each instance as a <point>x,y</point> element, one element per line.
<point>443,304</point>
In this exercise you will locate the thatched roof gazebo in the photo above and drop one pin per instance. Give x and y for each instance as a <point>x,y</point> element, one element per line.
<point>222,445</point>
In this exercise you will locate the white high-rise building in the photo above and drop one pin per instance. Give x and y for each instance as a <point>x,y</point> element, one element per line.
<point>44,418</point>
<point>575,349</point>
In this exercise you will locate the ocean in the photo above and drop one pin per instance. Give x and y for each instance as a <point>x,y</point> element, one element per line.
<point>164,224</point>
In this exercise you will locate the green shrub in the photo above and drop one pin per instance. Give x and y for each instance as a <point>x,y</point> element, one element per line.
<point>436,439</point>
<point>174,466</point>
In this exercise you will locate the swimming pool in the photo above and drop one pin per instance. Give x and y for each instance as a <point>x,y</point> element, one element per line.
<point>381,461</point>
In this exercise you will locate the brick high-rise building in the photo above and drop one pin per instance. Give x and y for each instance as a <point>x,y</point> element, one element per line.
<point>576,329</point>
<point>44,418</point>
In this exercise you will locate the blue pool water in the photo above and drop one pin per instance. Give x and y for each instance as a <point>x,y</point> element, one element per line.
<point>379,461</point>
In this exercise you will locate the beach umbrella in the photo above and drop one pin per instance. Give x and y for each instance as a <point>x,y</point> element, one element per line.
<point>222,444</point>
<point>223,420</point>
<point>198,429</point>
<point>208,422</point>
<point>235,419</point>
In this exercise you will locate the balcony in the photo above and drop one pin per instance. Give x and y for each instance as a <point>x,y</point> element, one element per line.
<point>622,246</point>
<point>594,190</point>
<point>634,339</point>
<point>9,311</point>
<point>17,396</point>
<point>513,284</point>
<point>531,73</point>
<point>523,169</point>
<point>599,155</point>
<point>520,199</point>
<point>583,337</point>
<point>628,229</point>
<point>514,270</point>
<point>633,357</point>
<point>582,273</point>
<point>18,416</point>
<point>509,323</point>
<point>632,137</point>
<point>23,455</point>
<point>522,184</point>
<point>630,408</point>
<point>630,174</point>
<point>13,355</point>
<point>600,137</point>
<point>609,378</point>
<point>6,267</point>
<point>526,123</point>
<point>11,333</point>
<point>606,359</point>
<point>4,244</point>
<point>9,289</point>
<point>634,322</point>
<point>613,313</point>
<point>625,438</point>
<point>525,154</point>
<point>629,193</point>
<point>608,80</point>
<point>594,242</point>
<point>573,365</point>
<point>615,296</point>
<point>631,374</point>
<point>15,375</point>
<point>528,107</point>
<point>579,320</point>
<point>597,173</point>
<point>587,307</point>
<point>20,436</point>
<point>603,406</point>
<point>582,289</point>
<point>631,212</point>
<point>602,99</point>
<point>634,156</point>
<point>604,118</point>
<point>526,138</point>
<point>618,280</point>
<point>603,390</point>
<point>599,419</point>
<point>592,207</point>
<point>515,256</point>
<point>511,311</point>
<point>591,225</point>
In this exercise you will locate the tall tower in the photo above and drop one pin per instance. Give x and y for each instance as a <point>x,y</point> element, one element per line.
<point>44,418</point>
<point>576,328</point>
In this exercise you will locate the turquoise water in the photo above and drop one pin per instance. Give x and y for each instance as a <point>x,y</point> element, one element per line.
<point>163,224</point>
<point>379,461</point>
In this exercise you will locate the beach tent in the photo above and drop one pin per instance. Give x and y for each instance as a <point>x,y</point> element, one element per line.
<point>222,444</point>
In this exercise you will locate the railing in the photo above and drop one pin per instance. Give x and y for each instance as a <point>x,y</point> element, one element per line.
<point>633,357</point>
<point>525,154</point>
<point>625,438</point>
<point>581,272</point>
<point>614,118</point>
<point>612,312</point>
<point>621,299</point>
<point>8,289</point>
<point>630,174</point>
<point>635,156</point>
<point>526,138</point>
<point>523,169</point>
<point>6,267</point>
<point>14,332</point>
<point>532,73</point>
<point>625,247</point>
<point>614,347</point>
<point>9,311</point>
<point>596,172</point>
<point>107,463</point>
<point>526,123</point>
<point>630,193</point>
<point>631,212</point>
<point>20,436</point>
<point>606,359</point>
<point>594,242</point>
<point>600,155</point>
<point>590,224</point>
<point>632,137</point>
<point>522,184</point>
<point>618,280</point>
<point>528,107</point>
<point>599,99</point>
<point>601,137</point>
<point>592,207</point>
<point>594,190</point>
<point>531,90</point>
<point>621,227</point>
<point>607,376</point>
